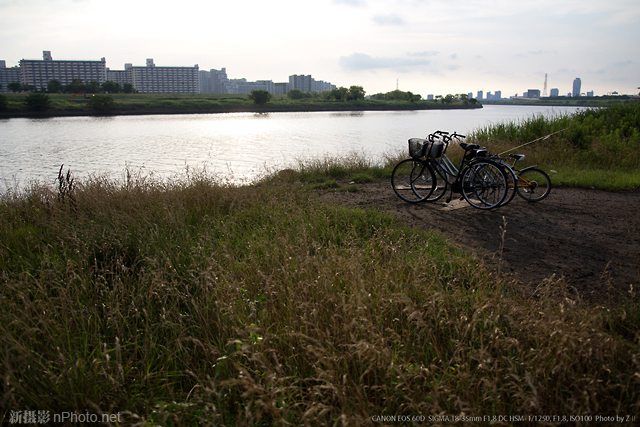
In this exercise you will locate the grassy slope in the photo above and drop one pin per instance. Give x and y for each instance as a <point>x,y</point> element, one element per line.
<point>184,303</point>
<point>214,103</point>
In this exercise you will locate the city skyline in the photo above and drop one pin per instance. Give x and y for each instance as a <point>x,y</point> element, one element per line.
<point>434,47</point>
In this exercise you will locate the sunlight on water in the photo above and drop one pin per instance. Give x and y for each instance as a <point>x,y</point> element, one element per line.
<point>236,146</point>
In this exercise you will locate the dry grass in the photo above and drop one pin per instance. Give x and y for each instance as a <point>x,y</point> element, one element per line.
<point>196,303</point>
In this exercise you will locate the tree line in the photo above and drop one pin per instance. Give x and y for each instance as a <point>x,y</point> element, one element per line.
<point>76,86</point>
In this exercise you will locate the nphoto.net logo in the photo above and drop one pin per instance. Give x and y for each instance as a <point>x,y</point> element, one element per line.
<point>46,417</point>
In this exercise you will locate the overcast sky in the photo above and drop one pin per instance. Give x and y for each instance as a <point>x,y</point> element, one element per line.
<point>423,46</point>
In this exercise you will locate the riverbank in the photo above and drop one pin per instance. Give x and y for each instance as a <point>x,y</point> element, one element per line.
<point>151,104</point>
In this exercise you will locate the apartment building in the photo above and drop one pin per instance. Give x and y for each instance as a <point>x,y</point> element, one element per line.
<point>39,73</point>
<point>215,81</point>
<point>8,75</point>
<point>152,79</point>
<point>120,76</point>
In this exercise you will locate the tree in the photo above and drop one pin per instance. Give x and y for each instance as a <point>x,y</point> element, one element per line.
<point>356,93</point>
<point>260,97</point>
<point>339,93</point>
<point>4,102</point>
<point>296,94</point>
<point>447,99</point>
<point>76,86</point>
<point>54,86</point>
<point>101,102</point>
<point>37,102</point>
<point>92,87</point>
<point>128,88</point>
<point>14,87</point>
<point>110,87</point>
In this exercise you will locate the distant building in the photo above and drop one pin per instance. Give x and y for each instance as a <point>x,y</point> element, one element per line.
<point>302,82</point>
<point>533,94</point>
<point>577,83</point>
<point>470,95</point>
<point>590,93</point>
<point>120,76</point>
<point>308,84</point>
<point>40,72</point>
<point>554,92</point>
<point>215,81</point>
<point>242,86</point>
<point>480,93</point>
<point>498,95</point>
<point>430,97</point>
<point>281,88</point>
<point>152,79</point>
<point>8,75</point>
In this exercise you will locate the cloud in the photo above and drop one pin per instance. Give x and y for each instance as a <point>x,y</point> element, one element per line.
<point>424,53</point>
<point>621,64</point>
<point>356,3</point>
<point>390,19</point>
<point>454,56</point>
<point>361,61</point>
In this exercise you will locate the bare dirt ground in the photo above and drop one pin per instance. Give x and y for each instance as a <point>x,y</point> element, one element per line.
<point>589,239</point>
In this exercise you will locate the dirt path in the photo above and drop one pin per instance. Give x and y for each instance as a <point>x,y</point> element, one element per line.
<point>590,238</point>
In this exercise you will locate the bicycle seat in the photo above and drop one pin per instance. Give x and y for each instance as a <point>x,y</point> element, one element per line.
<point>517,156</point>
<point>467,147</point>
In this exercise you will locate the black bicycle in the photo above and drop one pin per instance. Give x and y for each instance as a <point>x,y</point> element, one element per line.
<point>429,173</point>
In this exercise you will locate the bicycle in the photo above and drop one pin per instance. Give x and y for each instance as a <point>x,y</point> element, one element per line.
<point>482,182</point>
<point>533,184</point>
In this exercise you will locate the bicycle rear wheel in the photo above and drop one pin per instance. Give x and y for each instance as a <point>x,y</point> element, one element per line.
<point>533,185</point>
<point>485,185</point>
<point>413,180</point>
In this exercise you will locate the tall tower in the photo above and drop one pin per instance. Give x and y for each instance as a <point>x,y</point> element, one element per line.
<point>544,91</point>
<point>576,87</point>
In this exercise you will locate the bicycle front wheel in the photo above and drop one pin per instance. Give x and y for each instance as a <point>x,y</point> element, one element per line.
<point>413,180</point>
<point>485,185</point>
<point>533,185</point>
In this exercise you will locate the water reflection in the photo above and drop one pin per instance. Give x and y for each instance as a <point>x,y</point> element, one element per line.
<point>238,146</point>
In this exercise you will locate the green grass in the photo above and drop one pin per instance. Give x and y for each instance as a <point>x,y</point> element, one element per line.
<point>194,302</point>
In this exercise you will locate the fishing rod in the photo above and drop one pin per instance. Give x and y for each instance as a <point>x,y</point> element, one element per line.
<point>535,140</point>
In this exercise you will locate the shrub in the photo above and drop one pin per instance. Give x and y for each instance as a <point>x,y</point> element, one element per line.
<point>101,102</point>
<point>37,102</point>
<point>260,97</point>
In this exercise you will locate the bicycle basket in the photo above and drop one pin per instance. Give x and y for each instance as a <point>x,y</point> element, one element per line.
<point>417,147</point>
<point>436,149</point>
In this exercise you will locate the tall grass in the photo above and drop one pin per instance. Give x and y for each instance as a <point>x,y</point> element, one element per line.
<point>595,147</point>
<point>197,303</point>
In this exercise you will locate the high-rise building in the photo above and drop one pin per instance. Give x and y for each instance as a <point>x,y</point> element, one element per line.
<point>480,93</point>
<point>576,87</point>
<point>554,92</point>
<point>8,75</point>
<point>120,76</point>
<point>215,81</point>
<point>39,73</point>
<point>302,82</point>
<point>152,79</point>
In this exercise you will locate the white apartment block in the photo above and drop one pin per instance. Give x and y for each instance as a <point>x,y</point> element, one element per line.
<point>40,72</point>
<point>119,76</point>
<point>8,75</point>
<point>152,79</point>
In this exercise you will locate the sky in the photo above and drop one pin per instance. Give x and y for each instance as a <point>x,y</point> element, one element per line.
<point>423,46</point>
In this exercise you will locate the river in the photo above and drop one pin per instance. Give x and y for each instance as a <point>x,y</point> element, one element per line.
<point>238,146</point>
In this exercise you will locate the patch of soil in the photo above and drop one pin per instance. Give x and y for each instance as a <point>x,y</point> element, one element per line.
<point>590,239</point>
